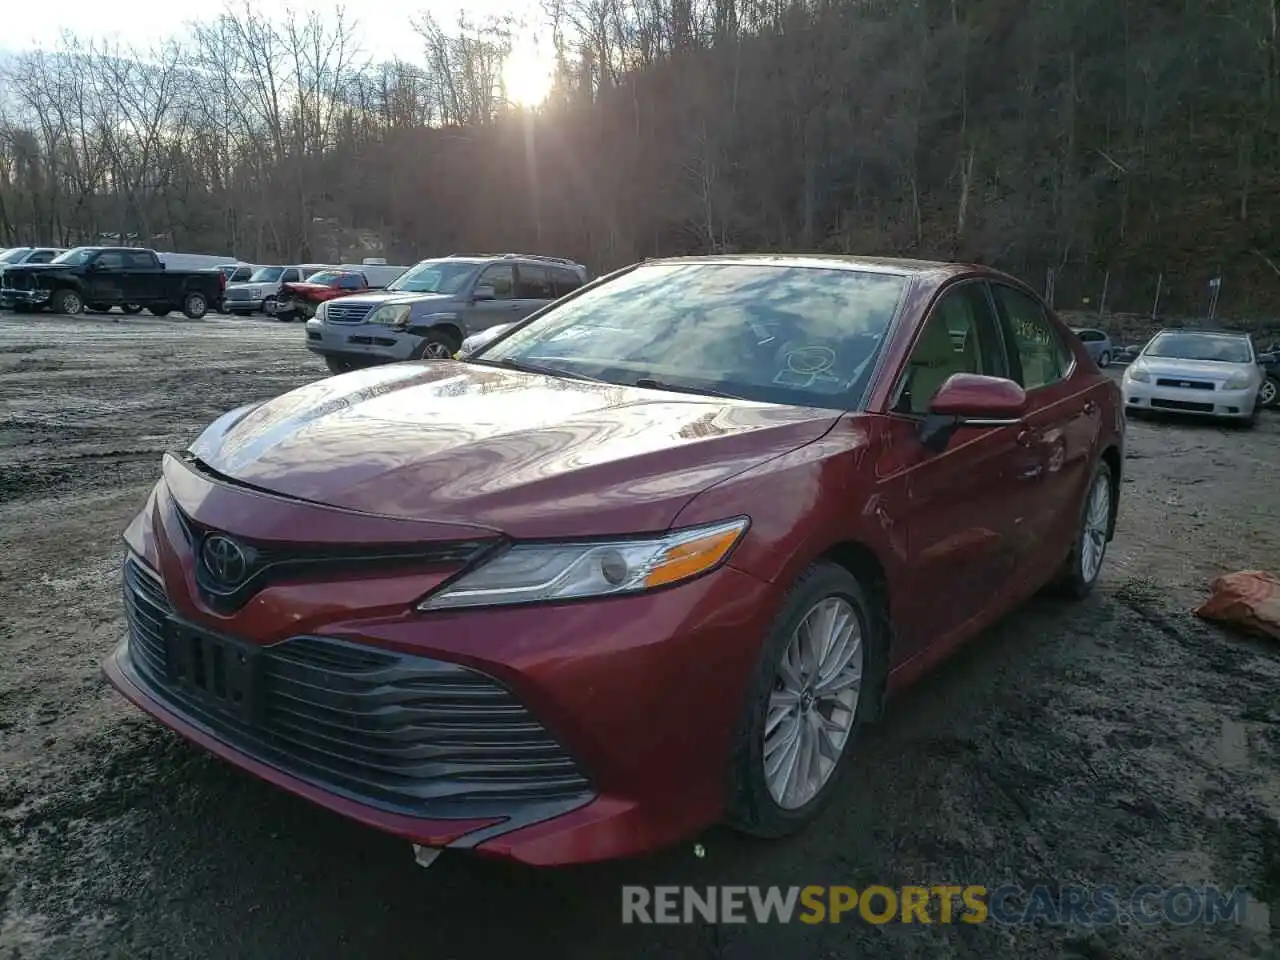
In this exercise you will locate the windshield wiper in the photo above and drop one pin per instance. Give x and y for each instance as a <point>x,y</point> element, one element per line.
<point>653,384</point>
<point>525,367</point>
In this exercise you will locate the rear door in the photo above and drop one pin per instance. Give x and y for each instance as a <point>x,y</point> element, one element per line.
<point>1062,421</point>
<point>963,507</point>
<point>533,288</point>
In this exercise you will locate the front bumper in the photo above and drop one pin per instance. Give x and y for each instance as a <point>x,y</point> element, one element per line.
<point>1227,404</point>
<point>242,306</point>
<point>639,695</point>
<point>34,298</point>
<point>367,342</point>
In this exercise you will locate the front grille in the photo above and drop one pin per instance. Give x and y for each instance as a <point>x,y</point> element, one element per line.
<point>1184,384</point>
<point>1182,405</point>
<point>238,295</point>
<point>405,733</point>
<point>347,312</point>
<point>16,281</point>
<point>272,562</point>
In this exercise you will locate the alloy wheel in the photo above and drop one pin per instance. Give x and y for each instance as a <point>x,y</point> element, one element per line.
<point>814,701</point>
<point>1267,393</point>
<point>1093,536</point>
<point>436,351</point>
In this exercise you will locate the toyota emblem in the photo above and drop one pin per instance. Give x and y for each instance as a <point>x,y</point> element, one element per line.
<point>224,559</point>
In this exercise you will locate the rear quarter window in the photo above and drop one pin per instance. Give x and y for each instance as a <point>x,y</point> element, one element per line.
<point>1042,353</point>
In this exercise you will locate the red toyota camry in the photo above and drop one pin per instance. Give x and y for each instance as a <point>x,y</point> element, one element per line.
<point>645,561</point>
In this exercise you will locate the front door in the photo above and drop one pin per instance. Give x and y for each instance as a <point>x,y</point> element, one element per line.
<point>963,507</point>
<point>503,308</point>
<point>1061,424</point>
<point>104,283</point>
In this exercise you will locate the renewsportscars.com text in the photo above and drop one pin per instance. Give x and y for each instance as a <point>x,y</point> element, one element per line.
<point>1010,905</point>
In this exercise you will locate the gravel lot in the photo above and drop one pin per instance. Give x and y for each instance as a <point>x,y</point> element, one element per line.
<point>1119,741</point>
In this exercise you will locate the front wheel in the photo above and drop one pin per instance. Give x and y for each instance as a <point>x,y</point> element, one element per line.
<point>339,365</point>
<point>1269,393</point>
<point>1084,563</point>
<point>66,301</point>
<point>161,311</point>
<point>813,690</point>
<point>436,344</point>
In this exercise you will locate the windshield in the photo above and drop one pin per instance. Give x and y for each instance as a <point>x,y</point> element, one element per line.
<point>76,257</point>
<point>779,334</point>
<point>14,255</point>
<point>266,275</point>
<point>435,276</point>
<point>1200,346</point>
<point>329,277</point>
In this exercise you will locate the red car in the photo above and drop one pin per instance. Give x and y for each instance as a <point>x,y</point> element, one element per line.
<point>645,561</point>
<point>298,300</point>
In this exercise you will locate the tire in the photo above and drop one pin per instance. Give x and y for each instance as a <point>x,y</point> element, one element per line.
<point>265,309</point>
<point>1075,581</point>
<point>161,311</point>
<point>437,344</point>
<point>339,365</point>
<point>1104,359</point>
<point>131,308</point>
<point>752,806</point>
<point>66,301</point>
<point>1269,393</point>
<point>195,305</point>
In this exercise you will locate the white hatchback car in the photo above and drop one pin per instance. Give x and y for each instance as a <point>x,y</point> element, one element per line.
<point>1206,372</point>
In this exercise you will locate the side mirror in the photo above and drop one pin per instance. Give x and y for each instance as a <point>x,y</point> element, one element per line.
<point>971,400</point>
<point>484,291</point>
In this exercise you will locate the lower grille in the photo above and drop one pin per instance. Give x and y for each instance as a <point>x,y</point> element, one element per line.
<point>238,295</point>
<point>1184,384</point>
<point>347,312</point>
<point>404,733</point>
<point>1182,405</point>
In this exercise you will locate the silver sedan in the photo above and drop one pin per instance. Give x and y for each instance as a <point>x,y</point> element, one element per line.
<point>1097,343</point>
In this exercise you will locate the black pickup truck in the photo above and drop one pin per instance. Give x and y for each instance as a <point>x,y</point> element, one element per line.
<point>100,278</point>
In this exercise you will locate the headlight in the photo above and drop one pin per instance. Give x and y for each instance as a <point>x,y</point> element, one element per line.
<point>534,572</point>
<point>390,314</point>
<point>1237,380</point>
<point>322,311</point>
<point>1135,372</point>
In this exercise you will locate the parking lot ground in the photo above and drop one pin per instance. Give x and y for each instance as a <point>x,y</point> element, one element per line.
<point>1118,741</point>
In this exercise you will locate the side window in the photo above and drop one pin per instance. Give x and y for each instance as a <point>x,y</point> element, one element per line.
<point>565,281</point>
<point>960,335</point>
<point>351,282</point>
<point>1089,336</point>
<point>290,276</point>
<point>110,260</point>
<point>500,276</point>
<point>139,261</point>
<point>535,284</point>
<point>1041,353</point>
<point>41,256</point>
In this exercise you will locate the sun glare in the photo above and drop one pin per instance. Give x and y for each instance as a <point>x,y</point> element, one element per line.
<point>528,75</point>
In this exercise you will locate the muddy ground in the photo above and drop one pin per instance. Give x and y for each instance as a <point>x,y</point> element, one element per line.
<point>1118,741</point>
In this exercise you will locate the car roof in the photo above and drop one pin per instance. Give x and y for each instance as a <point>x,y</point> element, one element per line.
<point>1208,332</point>
<point>927,271</point>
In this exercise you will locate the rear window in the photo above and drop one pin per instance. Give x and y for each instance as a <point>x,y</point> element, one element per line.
<point>564,281</point>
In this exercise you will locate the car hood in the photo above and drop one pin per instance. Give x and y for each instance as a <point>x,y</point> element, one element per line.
<point>525,454</point>
<point>35,267</point>
<point>1200,369</point>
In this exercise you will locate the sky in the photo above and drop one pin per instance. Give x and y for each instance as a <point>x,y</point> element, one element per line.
<point>383,25</point>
